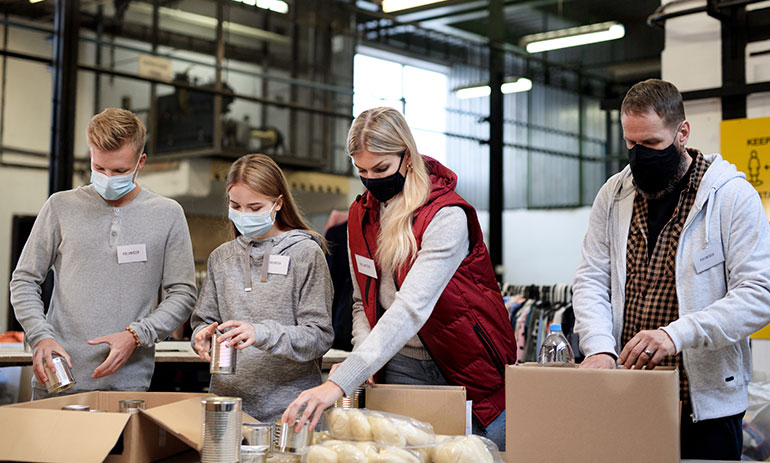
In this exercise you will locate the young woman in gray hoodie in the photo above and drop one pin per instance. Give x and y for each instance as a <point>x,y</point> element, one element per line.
<point>269,289</point>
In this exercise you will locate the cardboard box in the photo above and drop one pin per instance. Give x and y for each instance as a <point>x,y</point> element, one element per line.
<point>41,431</point>
<point>441,406</point>
<point>591,416</point>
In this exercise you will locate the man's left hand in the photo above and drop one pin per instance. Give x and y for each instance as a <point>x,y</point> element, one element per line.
<point>648,348</point>
<point>122,345</point>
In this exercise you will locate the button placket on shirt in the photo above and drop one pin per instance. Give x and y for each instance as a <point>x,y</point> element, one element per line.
<point>115,227</point>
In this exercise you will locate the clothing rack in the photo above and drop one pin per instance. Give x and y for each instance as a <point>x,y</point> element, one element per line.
<point>532,308</point>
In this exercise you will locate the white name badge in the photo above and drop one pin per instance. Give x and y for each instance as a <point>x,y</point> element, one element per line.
<point>278,265</point>
<point>707,258</point>
<point>132,253</point>
<point>366,266</point>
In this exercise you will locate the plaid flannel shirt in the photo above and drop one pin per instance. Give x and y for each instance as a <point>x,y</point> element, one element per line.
<point>651,300</point>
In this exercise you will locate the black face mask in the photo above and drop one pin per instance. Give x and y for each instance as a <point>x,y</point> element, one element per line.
<point>385,188</point>
<point>653,169</point>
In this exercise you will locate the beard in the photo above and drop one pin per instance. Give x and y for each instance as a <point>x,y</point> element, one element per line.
<point>681,170</point>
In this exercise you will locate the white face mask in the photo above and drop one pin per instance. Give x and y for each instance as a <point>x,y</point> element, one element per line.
<point>252,224</point>
<point>113,187</point>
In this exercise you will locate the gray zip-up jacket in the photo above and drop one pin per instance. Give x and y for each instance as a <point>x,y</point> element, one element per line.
<point>291,315</point>
<point>720,303</point>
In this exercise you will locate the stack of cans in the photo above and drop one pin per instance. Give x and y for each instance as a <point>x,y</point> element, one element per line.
<point>221,430</point>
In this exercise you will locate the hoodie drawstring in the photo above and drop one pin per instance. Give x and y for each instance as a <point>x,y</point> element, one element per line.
<point>247,283</point>
<point>247,268</point>
<point>709,207</point>
<point>266,260</point>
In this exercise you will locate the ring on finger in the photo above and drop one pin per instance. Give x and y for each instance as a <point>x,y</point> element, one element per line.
<point>648,352</point>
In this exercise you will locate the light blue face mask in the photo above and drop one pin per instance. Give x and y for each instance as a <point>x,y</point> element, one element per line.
<point>113,187</point>
<point>252,224</point>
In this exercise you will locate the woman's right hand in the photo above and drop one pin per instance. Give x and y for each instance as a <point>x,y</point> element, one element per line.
<point>203,341</point>
<point>314,401</point>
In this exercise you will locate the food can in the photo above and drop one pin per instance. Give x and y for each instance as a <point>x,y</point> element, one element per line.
<point>131,405</point>
<point>258,435</point>
<point>288,440</point>
<point>253,454</point>
<point>222,357</point>
<point>221,432</point>
<point>356,399</point>
<point>77,408</point>
<point>59,375</point>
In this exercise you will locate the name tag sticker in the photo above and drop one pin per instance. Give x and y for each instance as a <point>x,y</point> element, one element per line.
<point>279,265</point>
<point>366,266</point>
<point>132,253</point>
<point>707,258</point>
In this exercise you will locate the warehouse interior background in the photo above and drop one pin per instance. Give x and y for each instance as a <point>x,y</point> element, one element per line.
<point>216,79</point>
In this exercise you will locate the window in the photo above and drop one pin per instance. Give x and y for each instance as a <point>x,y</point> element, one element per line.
<point>420,93</point>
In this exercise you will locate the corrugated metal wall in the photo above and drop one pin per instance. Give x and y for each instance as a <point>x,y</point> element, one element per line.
<point>555,144</point>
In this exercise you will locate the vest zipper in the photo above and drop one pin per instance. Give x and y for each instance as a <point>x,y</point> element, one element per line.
<point>487,343</point>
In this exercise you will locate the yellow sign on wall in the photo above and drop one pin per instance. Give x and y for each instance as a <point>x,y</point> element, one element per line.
<point>746,143</point>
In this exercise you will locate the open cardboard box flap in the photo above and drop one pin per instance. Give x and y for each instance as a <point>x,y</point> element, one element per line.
<point>441,406</point>
<point>55,436</point>
<point>41,431</point>
<point>183,420</point>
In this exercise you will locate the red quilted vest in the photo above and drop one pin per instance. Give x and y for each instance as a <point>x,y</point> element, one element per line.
<point>468,334</point>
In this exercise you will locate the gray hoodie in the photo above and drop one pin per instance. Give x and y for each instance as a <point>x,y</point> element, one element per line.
<point>720,303</point>
<point>291,315</point>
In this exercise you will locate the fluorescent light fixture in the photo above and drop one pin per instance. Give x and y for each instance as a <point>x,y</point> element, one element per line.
<point>572,37</point>
<point>389,6</point>
<point>279,6</point>
<point>522,84</point>
<point>511,85</point>
<point>35,1</point>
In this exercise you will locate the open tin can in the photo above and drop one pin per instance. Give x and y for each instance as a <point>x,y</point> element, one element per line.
<point>131,405</point>
<point>59,375</point>
<point>288,440</point>
<point>222,357</point>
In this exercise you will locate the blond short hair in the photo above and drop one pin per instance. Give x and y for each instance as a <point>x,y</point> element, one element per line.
<point>112,128</point>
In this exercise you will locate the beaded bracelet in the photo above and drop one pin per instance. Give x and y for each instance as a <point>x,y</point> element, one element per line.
<point>136,337</point>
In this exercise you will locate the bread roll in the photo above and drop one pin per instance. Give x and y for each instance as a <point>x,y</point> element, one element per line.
<point>321,454</point>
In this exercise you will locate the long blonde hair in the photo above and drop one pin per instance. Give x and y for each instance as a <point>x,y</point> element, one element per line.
<point>385,131</point>
<point>260,173</point>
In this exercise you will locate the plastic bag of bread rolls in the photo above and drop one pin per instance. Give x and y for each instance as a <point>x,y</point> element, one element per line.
<point>383,428</point>
<point>359,452</point>
<point>464,449</point>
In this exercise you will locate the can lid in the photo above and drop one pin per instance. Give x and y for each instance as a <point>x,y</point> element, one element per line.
<point>77,407</point>
<point>224,404</point>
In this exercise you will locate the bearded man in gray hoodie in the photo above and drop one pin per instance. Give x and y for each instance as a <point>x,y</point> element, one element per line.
<point>676,271</point>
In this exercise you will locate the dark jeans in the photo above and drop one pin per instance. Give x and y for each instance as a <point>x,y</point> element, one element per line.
<point>717,439</point>
<point>404,370</point>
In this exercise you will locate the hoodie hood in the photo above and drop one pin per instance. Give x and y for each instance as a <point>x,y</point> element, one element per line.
<point>442,181</point>
<point>280,242</point>
<point>718,174</point>
<point>255,250</point>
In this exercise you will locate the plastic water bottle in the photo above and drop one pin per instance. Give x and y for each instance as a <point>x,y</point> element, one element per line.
<point>555,350</point>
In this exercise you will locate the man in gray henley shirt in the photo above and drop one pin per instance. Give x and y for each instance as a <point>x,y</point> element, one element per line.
<point>111,245</point>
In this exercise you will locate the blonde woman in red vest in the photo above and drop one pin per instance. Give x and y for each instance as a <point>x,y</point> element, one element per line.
<point>427,308</point>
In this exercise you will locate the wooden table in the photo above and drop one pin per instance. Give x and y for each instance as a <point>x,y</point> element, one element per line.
<point>165,352</point>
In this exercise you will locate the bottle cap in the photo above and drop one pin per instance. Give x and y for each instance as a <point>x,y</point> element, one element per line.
<point>555,327</point>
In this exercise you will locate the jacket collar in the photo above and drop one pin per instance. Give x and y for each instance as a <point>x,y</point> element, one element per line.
<point>442,181</point>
